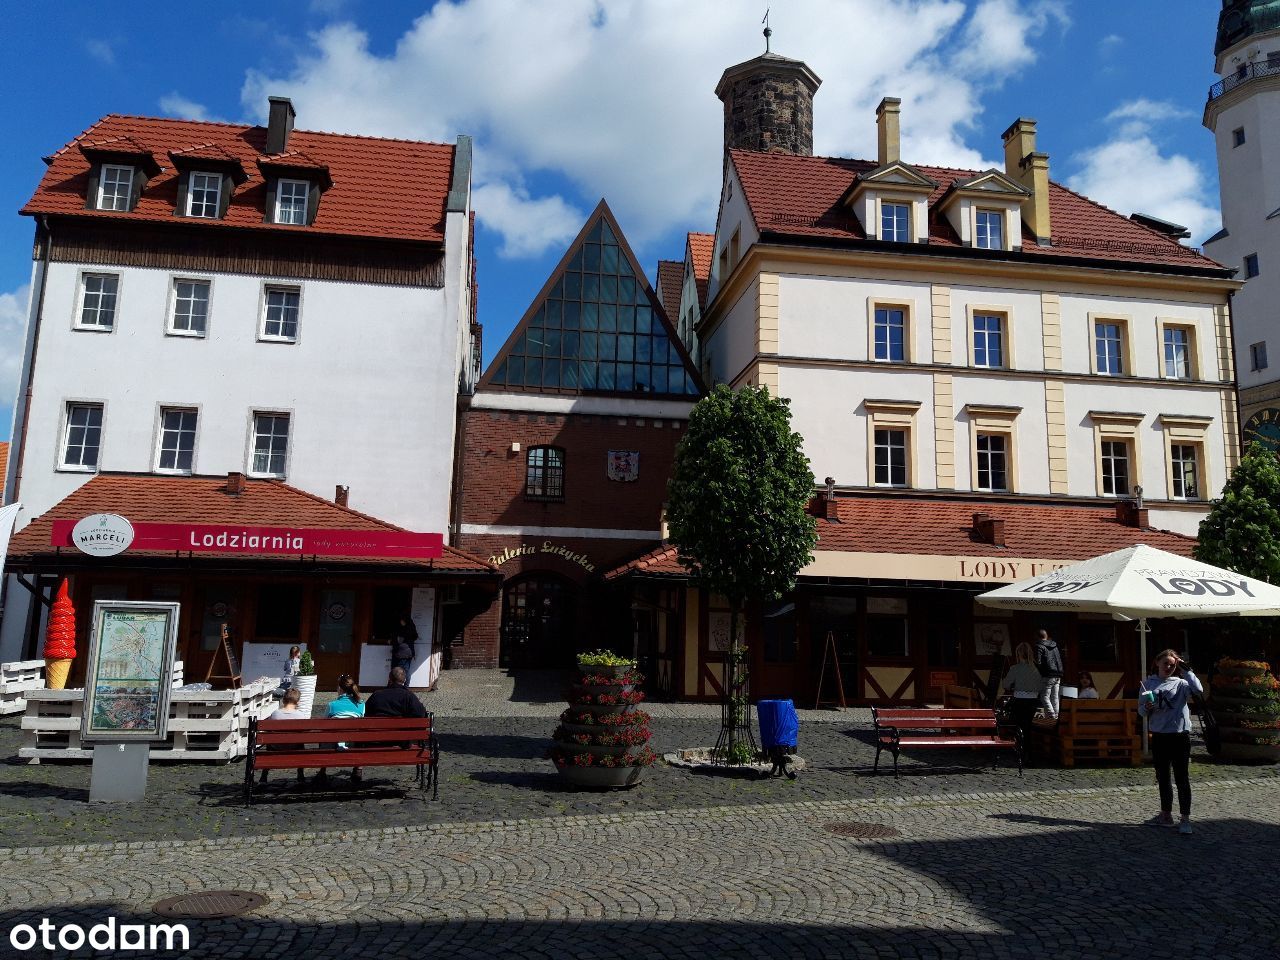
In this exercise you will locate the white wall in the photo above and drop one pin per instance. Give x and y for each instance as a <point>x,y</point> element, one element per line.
<point>370,384</point>
<point>1026,322</point>
<point>829,316</point>
<point>1142,315</point>
<point>734,215</point>
<point>1031,438</point>
<point>732,345</point>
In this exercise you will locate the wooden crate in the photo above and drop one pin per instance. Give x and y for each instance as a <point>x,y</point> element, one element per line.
<point>16,678</point>
<point>1091,731</point>
<point>961,697</point>
<point>203,724</point>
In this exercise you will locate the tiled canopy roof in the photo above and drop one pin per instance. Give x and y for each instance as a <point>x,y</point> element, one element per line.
<point>945,528</point>
<point>206,500</point>
<point>670,286</point>
<point>701,248</point>
<point>391,189</point>
<point>799,197</point>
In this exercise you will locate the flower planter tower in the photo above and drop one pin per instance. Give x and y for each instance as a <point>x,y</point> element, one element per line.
<point>602,739</point>
<point>1246,705</point>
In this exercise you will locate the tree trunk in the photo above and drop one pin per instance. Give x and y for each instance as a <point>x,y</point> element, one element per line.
<point>736,743</point>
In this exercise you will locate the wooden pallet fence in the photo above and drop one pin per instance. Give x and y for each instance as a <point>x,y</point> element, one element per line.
<point>1091,731</point>
<point>16,679</point>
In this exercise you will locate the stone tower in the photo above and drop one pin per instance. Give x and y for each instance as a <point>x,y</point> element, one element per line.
<point>1243,111</point>
<point>768,105</point>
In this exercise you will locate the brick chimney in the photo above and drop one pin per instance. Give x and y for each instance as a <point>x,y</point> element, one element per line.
<point>340,494</point>
<point>1031,169</point>
<point>279,124</point>
<point>888,119</point>
<point>1130,514</point>
<point>235,484</point>
<point>988,529</point>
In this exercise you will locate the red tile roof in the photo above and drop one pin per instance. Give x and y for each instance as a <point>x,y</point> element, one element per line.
<point>670,286</point>
<point>701,248</point>
<point>799,197</point>
<point>151,499</point>
<point>945,528</point>
<point>390,189</point>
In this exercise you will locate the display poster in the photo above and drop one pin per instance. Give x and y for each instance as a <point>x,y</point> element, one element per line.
<point>718,631</point>
<point>260,660</point>
<point>990,639</point>
<point>128,676</point>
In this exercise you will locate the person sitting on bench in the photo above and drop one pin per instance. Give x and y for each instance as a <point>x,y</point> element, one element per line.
<point>288,709</point>
<point>395,699</point>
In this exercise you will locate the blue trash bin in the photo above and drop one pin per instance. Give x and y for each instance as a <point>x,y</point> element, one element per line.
<point>779,732</point>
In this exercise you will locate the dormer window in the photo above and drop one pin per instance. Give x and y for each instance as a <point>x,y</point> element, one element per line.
<point>291,201</point>
<point>990,233</point>
<point>895,222</point>
<point>115,187</point>
<point>204,195</point>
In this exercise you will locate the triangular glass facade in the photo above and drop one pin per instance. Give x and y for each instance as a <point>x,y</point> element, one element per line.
<point>596,331</point>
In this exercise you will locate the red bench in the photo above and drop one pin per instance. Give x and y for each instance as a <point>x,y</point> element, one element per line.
<point>373,742</point>
<point>933,727</point>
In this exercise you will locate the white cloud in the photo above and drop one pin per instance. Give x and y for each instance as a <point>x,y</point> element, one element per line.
<point>617,100</point>
<point>1130,172</point>
<point>1109,44</point>
<point>176,105</point>
<point>102,51</point>
<point>13,325</point>
<point>528,226</point>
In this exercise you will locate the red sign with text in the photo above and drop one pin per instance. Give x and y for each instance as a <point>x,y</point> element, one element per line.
<point>274,541</point>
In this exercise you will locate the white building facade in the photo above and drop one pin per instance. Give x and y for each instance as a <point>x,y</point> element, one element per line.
<point>211,299</point>
<point>1243,112</point>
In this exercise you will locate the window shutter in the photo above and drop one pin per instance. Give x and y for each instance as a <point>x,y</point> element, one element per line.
<point>91,195</point>
<point>313,202</point>
<point>139,181</point>
<point>184,179</point>
<point>224,195</point>
<point>269,214</point>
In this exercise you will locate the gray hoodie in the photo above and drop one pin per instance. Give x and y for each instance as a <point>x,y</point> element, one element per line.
<point>1170,713</point>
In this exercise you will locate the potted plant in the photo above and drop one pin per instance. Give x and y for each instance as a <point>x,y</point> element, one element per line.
<point>305,682</point>
<point>602,739</point>
<point>1246,705</point>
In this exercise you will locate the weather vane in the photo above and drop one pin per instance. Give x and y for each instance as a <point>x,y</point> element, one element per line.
<point>768,31</point>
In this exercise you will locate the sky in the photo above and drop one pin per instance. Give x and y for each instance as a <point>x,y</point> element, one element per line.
<point>576,100</point>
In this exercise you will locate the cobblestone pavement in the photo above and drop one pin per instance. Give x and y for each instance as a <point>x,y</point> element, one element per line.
<point>1035,874</point>
<point>495,769</point>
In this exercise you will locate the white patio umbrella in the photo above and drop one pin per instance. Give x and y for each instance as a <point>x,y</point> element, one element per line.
<point>1140,582</point>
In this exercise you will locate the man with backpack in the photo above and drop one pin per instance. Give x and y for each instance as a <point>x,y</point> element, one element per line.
<point>1048,660</point>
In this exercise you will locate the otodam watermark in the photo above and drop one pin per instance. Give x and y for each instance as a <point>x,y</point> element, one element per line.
<point>108,935</point>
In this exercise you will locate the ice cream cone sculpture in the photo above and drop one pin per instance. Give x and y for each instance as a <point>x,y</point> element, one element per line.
<point>60,639</point>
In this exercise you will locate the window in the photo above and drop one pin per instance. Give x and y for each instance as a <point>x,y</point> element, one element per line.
<point>1184,465</point>
<point>891,458</point>
<point>190,307</point>
<point>1251,268</point>
<point>83,437</point>
<point>1258,355</point>
<point>895,222</point>
<point>1237,137</point>
<point>993,462</point>
<point>544,473</point>
<point>1109,347</point>
<point>988,340</point>
<point>280,313</point>
<point>734,243</point>
<point>891,334</point>
<point>990,234</point>
<point>204,195</point>
<point>1177,353</point>
<point>1115,468</point>
<point>887,633</point>
<point>291,201</point>
<point>270,444</point>
<point>115,187</point>
<point>177,444</point>
<point>98,294</point>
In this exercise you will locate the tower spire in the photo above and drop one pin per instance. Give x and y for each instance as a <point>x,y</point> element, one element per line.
<point>768,30</point>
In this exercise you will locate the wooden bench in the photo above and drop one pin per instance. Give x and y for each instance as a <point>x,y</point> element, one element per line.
<point>1091,730</point>
<point>371,742</point>
<point>932,727</point>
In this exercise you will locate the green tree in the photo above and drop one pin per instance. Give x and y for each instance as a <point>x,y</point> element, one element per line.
<point>737,513</point>
<point>1242,533</point>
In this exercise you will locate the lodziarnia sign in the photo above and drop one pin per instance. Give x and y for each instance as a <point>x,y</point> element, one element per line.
<point>293,541</point>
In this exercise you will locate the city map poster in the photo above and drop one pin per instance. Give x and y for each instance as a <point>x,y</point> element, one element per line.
<point>127,683</point>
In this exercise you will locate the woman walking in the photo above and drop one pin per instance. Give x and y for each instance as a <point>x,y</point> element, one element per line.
<point>1163,700</point>
<point>1023,681</point>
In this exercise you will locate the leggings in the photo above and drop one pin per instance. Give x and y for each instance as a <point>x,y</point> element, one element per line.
<point>1171,753</point>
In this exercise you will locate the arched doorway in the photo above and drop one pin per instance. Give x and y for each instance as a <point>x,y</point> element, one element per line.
<point>538,622</point>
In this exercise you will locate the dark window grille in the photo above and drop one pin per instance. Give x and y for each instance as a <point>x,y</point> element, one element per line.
<point>544,473</point>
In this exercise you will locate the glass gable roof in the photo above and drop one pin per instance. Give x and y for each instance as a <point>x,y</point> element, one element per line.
<point>596,330</point>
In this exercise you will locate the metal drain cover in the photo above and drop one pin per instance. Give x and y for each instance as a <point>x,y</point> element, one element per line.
<point>209,904</point>
<point>862,831</point>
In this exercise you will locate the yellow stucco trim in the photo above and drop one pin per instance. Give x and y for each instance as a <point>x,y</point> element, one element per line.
<point>1055,411</point>
<point>944,431</point>
<point>767,313</point>
<point>941,303</point>
<point>1051,329</point>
